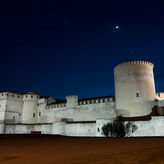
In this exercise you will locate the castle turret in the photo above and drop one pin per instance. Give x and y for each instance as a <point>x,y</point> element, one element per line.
<point>30,105</point>
<point>134,88</point>
<point>72,101</point>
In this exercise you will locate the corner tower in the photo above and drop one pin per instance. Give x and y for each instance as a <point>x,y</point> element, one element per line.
<point>30,102</point>
<point>134,88</point>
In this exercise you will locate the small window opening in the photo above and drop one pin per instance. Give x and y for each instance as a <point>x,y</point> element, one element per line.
<point>14,118</point>
<point>33,114</point>
<point>98,129</point>
<point>19,114</point>
<point>137,94</point>
<point>39,114</point>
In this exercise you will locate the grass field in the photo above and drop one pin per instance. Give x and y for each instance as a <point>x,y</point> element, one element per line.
<point>40,149</point>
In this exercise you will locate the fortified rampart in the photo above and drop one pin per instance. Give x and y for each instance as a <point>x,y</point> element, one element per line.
<point>135,99</point>
<point>82,110</point>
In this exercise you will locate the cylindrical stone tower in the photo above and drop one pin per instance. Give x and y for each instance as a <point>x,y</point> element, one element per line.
<point>134,88</point>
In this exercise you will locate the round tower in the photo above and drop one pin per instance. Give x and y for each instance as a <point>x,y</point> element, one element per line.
<point>134,88</point>
<point>30,102</point>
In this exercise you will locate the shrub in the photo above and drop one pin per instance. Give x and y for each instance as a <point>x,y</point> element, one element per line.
<point>118,128</point>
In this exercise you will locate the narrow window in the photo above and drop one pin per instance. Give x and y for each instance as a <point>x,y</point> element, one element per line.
<point>137,94</point>
<point>33,114</point>
<point>39,114</point>
<point>19,114</point>
<point>14,118</point>
<point>98,129</point>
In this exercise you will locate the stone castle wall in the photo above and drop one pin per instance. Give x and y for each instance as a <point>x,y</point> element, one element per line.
<point>84,110</point>
<point>134,96</point>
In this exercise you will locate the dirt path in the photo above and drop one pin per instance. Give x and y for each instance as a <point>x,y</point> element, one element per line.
<point>67,150</point>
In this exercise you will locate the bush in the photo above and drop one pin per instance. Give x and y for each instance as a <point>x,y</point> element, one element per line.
<point>118,128</point>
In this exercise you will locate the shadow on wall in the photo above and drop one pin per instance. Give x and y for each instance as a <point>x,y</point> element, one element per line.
<point>156,111</point>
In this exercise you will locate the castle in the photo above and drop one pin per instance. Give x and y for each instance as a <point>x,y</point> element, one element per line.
<point>135,99</point>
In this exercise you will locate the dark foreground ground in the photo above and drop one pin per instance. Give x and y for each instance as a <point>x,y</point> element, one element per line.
<point>40,149</point>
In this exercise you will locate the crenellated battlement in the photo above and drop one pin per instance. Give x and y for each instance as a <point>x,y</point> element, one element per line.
<point>56,106</point>
<point>96,100</point>
<point>30,96</point>
<point>134,62</point>
<point>85,102</point>
<point>11,95</point>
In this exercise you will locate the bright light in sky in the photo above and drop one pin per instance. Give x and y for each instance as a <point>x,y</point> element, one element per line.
<point>117,27</point>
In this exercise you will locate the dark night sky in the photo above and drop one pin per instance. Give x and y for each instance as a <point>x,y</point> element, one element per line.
<point>60,48</point>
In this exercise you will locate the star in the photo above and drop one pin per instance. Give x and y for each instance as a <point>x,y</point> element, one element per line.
<point>117,27</point>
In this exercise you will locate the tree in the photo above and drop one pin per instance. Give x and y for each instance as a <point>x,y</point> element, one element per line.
<point>118,128</point>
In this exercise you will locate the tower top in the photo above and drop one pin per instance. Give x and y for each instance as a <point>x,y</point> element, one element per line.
<point>135,62</point>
